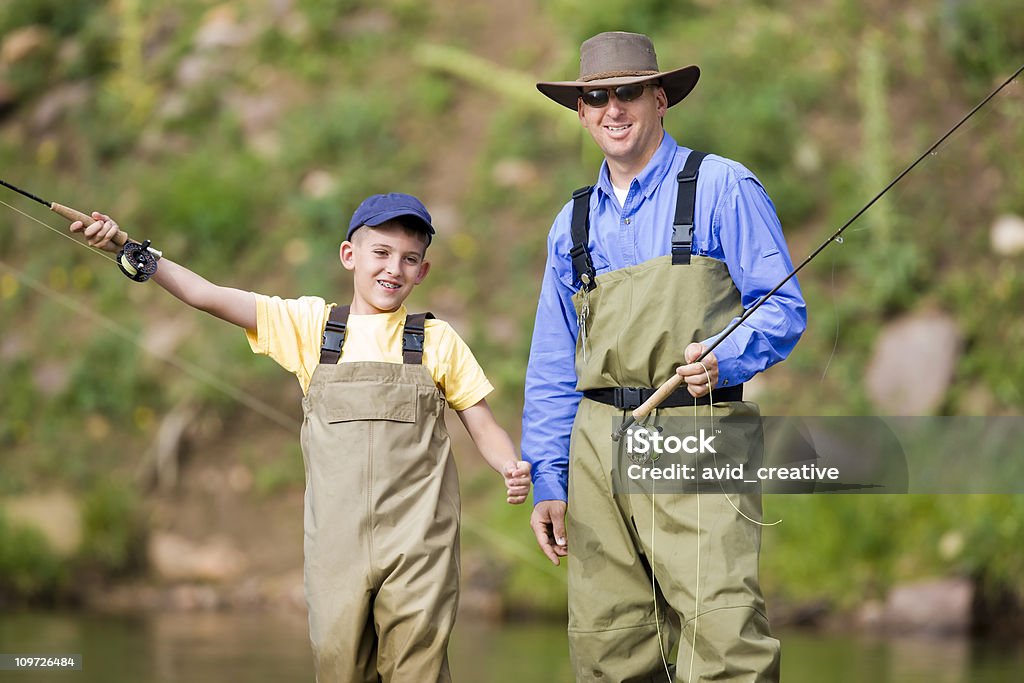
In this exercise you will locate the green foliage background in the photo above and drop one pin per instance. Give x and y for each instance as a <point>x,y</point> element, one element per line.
<point>824,101</point>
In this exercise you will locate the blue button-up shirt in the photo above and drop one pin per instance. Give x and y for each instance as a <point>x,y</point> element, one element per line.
<point>735,222</point>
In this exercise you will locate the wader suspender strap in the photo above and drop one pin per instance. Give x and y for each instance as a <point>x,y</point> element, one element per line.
<point>334,335</point>
<point>682,226</point>
<point>412,338</point>
<point>579,231</point>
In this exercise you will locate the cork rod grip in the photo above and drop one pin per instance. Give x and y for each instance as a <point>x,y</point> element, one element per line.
<point>74,215</point>
<point>663,392</point>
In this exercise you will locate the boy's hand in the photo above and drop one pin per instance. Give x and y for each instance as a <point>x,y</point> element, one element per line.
<point>517,481</point>
<point>100,234</point>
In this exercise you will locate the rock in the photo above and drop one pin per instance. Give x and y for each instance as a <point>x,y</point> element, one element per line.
<point>161,461</point>
<point>481,589</point>
<point>55,103</point>
<point>446,217</point>
<point>296,251</point>
<point>256,112</point>
<point>913,363</point>
<point>367,22</point>
<point>220,28</point>
<point>318,184</point>
<point>871,615</point>
<point>12,345</point>
<point>56,515</point>
<point>480,603</point>
<point>515,173</point>
<point>259,115</point>
<point>164,336</point>
<point>240,479</point>
<point>21,43</point>
<point>1007,235</point>
<point>286,590</point>
<point>51,377</point>
<point>807,157</point>
<point>193,598</point>
<point>940,606</point>
<point>197,69</point>
<point>8,97</point>
<point>175,558</point>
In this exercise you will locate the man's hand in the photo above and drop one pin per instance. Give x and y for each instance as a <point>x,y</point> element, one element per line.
<point>548,523</point>
<point>698,380</point>
<point>100,234</point>
<point>517,481</point>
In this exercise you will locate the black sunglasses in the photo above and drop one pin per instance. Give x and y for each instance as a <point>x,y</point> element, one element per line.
<point>623,93</point>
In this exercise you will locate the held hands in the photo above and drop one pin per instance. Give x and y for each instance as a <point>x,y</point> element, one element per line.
<point>698,381</point>
<point>517,481</point>
<point>100,234</point>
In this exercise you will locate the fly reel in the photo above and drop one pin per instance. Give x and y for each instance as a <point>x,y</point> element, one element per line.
<point>138,261</point>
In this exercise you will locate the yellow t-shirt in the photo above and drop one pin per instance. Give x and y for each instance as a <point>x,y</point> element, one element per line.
<point>291,330</point>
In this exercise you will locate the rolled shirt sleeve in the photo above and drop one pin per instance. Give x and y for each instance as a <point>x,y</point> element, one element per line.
<point>750,240</point>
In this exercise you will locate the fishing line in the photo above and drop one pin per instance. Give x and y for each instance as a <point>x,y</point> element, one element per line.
<point>137,261</point>
<point>975,123</point>
<point>63,234</point>
<point>142,256</point>
<point>696,463</point>
<point>197,373</point>
<point>192,370</point>
<point>670,385</point>
<point>835,315</point>
<point>696,592</point>
<point>654,586</point>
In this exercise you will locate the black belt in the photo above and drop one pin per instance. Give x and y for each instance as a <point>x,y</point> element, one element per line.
<point>631,398</point>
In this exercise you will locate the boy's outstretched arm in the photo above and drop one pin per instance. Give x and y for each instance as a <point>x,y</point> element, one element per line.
<point>233,305</point>
<point>496,446</point>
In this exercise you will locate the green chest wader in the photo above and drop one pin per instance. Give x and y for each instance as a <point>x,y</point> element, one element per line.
<point>634,325</point>
<point>381,516</point>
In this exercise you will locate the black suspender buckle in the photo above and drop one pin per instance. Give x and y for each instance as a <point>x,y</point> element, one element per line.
<point>682,241</point>
<point>412,341</point>
<point>583,265</point>
<point>413,335</point>
<point>334,336</point>
<point>579,231</point>
<point>682,224</point>
<point>688,174</point>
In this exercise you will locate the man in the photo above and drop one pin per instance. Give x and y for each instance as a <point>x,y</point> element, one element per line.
<point>626,296</point>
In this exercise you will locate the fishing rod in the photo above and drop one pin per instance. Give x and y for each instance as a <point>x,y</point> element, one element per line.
<point>137,261</point>
<point>671,384</point>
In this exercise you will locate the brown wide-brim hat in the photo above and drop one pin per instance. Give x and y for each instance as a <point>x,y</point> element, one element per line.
<point>618,58</point>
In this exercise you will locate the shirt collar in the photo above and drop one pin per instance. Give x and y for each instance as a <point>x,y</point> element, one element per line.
<point>652,175</point>
<point>388,318</point>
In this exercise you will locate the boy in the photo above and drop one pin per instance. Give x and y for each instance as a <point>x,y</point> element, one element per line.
<point>382,502</point>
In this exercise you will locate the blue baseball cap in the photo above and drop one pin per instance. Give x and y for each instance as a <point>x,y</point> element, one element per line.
<point>381,208</point>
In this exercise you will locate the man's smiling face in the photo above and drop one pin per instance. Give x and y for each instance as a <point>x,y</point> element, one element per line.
<point>627,132</point>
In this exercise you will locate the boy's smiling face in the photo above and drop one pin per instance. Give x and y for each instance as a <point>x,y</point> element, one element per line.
<point>386,261</point>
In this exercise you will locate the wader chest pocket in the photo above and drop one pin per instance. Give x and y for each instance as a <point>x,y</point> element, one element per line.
<point>372,401</point>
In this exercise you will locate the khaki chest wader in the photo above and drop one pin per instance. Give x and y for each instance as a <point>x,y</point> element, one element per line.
<point>381,516</point>
<point>634,325</point>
